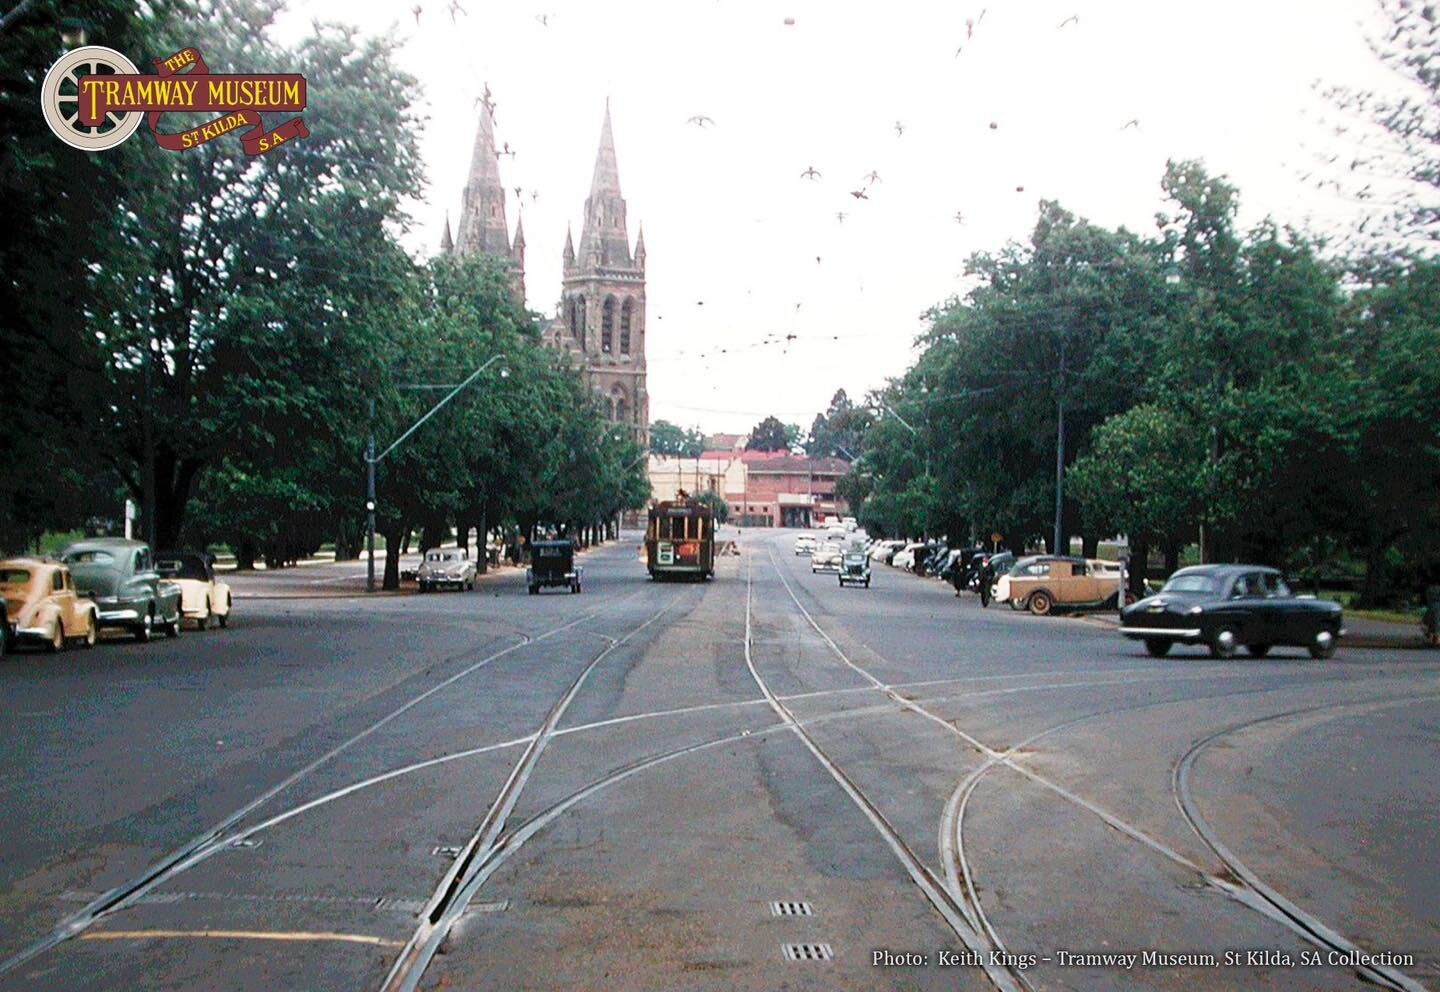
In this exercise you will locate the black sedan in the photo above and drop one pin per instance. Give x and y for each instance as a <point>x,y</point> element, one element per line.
<point>1226,607</point>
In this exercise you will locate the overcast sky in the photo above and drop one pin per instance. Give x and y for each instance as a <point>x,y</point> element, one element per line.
<point>732,230</point>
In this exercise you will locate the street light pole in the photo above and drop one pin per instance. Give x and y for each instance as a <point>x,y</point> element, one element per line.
<point>372,459</point>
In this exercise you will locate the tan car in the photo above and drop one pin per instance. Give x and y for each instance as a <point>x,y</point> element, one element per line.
<point>1040,583</point>
<point>42,605</point>
<point>204,598</point>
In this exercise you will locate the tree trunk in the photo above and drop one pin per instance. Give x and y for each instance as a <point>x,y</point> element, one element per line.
<point>433,533</point>
<point>245,557</point>
<point>482,544</point>
<point>393,542</point>
<point>1090,546</point>
<point>1139,565</point>
<point>1172,556</point>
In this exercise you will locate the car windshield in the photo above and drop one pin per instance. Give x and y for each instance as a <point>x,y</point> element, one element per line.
<point>1190,583</point>
<point>181,568</point>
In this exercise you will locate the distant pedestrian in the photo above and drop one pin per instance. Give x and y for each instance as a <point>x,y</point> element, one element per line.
<point>987,582</point>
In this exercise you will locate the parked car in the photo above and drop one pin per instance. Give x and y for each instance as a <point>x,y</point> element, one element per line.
<point>805,545</point>
<point>905,557</point>
<point>42,605</point>
<point>855,569</point>
<point>1226,607</point>
<point>552,563</point>
<point>119,575</point>
<point>446,567</point>
<point>885,550</point>
<point>1040,583</point>
<point>203,597</point>
<point>826,558</point>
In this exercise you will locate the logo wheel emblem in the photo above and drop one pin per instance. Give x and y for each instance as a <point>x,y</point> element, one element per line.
<point>60,99</point>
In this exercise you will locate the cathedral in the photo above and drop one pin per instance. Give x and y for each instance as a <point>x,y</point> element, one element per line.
<point>601,322</point>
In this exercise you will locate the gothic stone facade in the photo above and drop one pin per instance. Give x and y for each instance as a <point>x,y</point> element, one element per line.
<point>601,322</point>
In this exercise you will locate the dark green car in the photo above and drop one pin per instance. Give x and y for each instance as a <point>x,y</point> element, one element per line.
<point>120,576</point>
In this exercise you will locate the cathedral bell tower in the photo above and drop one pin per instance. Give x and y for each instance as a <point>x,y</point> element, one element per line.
<point>483,229</point>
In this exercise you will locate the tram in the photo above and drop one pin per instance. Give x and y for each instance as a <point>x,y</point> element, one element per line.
<point>680,539</point>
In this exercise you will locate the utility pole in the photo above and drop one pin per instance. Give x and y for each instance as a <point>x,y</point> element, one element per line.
<point>148,429</point>
<point>1059,455</point>
<point>372,459</point>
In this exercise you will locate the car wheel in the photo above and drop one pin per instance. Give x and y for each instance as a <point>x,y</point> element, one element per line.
<point>172,629</point>
<point>145,629</point>
<point>1323,645</point>
<point>204,622</point>
<point>1158,647</point>
<point>1257,650</point>
<point>1224,643</point>
<point>1040,603</point>
<point>225,617</point>
<point>57,637</point>
<point>92,631</point>
<point>534,590</point>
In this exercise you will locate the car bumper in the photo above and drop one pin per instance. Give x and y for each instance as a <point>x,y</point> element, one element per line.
<point>119,615</point>
<point>1162,633</point>
<point>39,633</point>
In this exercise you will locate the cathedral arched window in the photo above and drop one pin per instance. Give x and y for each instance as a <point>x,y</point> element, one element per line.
<point>577,319</point>
<point>607,326</point>
<point>619,408</point>
<point>627,318</point>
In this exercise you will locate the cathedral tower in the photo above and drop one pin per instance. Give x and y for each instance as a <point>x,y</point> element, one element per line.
<point>602,314</point>
<point>483,229</point>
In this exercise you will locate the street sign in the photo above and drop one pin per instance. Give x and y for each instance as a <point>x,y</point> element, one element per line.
<point>997,537</point>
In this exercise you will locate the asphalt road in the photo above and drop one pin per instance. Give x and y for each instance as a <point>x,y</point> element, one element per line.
<point>761,782</point>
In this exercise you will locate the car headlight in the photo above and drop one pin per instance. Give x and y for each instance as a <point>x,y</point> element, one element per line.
<point>1195,611</point>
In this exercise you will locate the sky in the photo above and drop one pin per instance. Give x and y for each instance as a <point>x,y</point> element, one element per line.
<point>1029,102</point>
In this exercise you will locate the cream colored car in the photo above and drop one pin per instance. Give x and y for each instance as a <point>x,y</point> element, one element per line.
<point>42,605</point>
<point>1041,583</point>
<point>203,597</point>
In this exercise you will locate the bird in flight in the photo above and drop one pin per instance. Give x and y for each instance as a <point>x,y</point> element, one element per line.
<point>899,129</point>
<point>534,195</point>
<point>700,120</point>
<point>811,174</point>
<point>518,191</point>
<point>1132,122</point>
<point>456,8</point>
<point>1072,19</point>
<point>416,11</point>
<point>872,178</point>
<point>859,194</point>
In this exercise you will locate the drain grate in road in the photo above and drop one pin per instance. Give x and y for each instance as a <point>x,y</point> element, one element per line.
<point>808,952</point>
<point>791,908</point>
<point>446,851</point>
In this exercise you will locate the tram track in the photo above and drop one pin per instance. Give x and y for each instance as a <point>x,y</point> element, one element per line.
<point>213,837</point>
<point>1267,899</point>
<point>453,894</point>
<point>1250,892</point>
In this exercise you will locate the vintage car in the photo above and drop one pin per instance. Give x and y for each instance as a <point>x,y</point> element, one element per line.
<point>552,563</point>
<point>855,569</point>
<point>826,558</point>
<point>119,575</point>
<point>203,597</point>
<point>446,567</point>
<point>1225,607</point>
<point>1040,583</point>
<point>42,606</point>
<point>805,544</point>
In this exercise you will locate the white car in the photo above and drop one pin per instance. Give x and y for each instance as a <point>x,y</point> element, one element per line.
<point>825,559</point>
<point>880,549</point>
<point>805,545</point>
<point>446,567</point>
<point>905,557</point>
<point>204,598</point>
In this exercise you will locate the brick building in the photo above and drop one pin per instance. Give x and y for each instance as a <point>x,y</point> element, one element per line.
<point>601,322</point>
<point>784,490</point>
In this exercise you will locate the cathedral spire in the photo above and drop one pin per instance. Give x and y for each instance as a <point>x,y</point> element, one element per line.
<point>482,214</point>
<point>447,244</point>
<point>603,239</point>
<point>640,247</point>
<point>569,247</point>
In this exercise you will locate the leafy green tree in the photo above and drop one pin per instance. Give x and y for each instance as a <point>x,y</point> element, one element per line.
<point>677,442</point>
<point>839,432</point>
<point>717,505</point>
<point>58,201</point>
<point>771,435</point>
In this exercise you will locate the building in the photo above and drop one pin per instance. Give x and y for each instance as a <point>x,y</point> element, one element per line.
<point>762,488</point>
<point>601,321</point>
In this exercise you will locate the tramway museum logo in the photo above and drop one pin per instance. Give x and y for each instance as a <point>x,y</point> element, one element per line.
<point>94,98</point>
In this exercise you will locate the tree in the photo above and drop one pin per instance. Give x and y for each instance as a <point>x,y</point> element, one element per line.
<point>58,201</point>
<point>838,432</point>
<point>1409,118</point>
<point>772,435</point>
<point>675,441</point>
<point>717,505</point>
